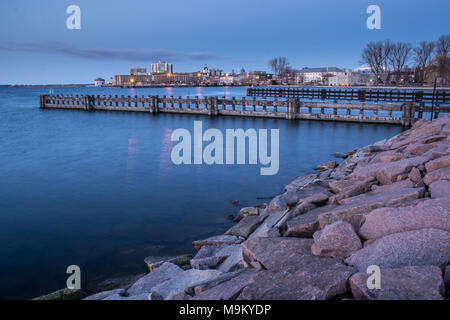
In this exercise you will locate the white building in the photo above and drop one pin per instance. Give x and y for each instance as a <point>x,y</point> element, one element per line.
<point>315,75</point>
<point>99,82</point>
<point>138,71</point>
<point>162,67</point>
<point>350,78</point>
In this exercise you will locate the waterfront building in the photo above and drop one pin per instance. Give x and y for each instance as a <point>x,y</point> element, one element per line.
<point>161,67</point>
<point>318,75</point>
<point>350,78</point>
<point>138,71</point>
<point>99,82</point>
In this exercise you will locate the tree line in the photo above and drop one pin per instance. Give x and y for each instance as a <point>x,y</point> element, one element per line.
<point>387,59</point>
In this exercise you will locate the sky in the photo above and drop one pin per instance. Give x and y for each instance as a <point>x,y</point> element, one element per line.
<point>36,47</point>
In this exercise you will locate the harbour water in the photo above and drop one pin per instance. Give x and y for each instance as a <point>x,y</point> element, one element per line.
<point>99,189</point>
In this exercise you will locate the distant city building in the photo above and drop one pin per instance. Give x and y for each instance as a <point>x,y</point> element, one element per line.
<point>99,82</point>
<point>138,71</point>
<point>315,75</point>
<point>349,78</point>
<point>161,67</point>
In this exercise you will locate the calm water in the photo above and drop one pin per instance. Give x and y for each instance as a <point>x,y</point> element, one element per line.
<point>99,190</point>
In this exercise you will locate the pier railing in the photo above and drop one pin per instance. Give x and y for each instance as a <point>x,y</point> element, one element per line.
<point>441,97</point>
<point>290,108</point>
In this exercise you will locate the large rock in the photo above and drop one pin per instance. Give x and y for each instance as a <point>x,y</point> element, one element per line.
<point>433,213</point>
<point>234,261</point>
<point>384,196</point>
<point>217,240</point>
<point>390,171</point>
<point>105,294</point>
<point>301,277</point>
<point>301,182</point>
<point>443,162</point>
<point>410,248</point>
<point>336,240</point>
<point>313,193</point>
<point>247,211</point>
<point>350,188</point>
<point>183,280</point>
<point>230,289</point>
<point>209,257</point>
<point>246,226</point>
<point>440,189</point>
<point>153,262</point>
<point>304,226</point>
<point>439,174</point>
<point>163,273</point>
<point>419,149</point>
<point>387,172</point>
<point>269,252</point>
<point>407,283</point>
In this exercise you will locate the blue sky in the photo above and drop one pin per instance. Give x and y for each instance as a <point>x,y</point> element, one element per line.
<point>37,48</point>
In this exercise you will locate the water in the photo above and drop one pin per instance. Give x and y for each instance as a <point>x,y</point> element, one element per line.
<point>99,190</point>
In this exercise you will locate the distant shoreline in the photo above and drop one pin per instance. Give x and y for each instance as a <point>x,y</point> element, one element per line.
<point>212,86</point>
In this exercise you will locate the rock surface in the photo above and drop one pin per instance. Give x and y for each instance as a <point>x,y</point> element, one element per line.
<point>410,248</point>
<point>301,277</point>
<point>407,283</point>
<point>217,240</point>
<point>336,240</point>
<point>433,213</point>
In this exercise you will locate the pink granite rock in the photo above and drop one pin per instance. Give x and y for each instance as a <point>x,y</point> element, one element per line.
<point>415,175</point>
<point>301,277</point>
<point>336,240</point>
<point>390,171</point>
<point>407,283</point>
<point>269,252</point>
<point>410,248</point>
<point>439,174</point>
<point>433,213</point>
<point>440,189</point>
<point>443,162</point>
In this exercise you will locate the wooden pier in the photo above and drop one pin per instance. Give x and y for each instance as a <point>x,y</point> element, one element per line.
<point>440,97</point>
<point>290,108</point>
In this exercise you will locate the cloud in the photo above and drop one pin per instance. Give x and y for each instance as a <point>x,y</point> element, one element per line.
<point>107,54</point>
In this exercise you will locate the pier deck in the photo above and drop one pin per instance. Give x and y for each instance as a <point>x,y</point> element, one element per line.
<point>290,108</point>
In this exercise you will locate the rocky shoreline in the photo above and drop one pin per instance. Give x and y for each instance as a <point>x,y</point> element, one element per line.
<point>387,204</point>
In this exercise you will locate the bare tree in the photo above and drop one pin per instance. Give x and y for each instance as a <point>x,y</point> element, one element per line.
<point>279,65</point>
<point>422,56</point>
<point>443,45</point>
<point>398,56</point>
<point>376,54</point>
<point>442,59</point>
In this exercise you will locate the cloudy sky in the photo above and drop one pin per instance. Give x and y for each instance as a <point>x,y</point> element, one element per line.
<point>37,48</point>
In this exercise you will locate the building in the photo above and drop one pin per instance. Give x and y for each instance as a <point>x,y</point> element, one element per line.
<point>350,78</point>
<point>99,82</point>
<point>161,67</point>
<point>318,75</point>
<point>138,71</point>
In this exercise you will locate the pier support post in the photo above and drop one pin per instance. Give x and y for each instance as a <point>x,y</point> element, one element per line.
<point>87,102</point>
<point>407,114</point>
<point>153,104</point>
<point>42,99</point>
<point>213,107</point>
<point>291,108</point>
